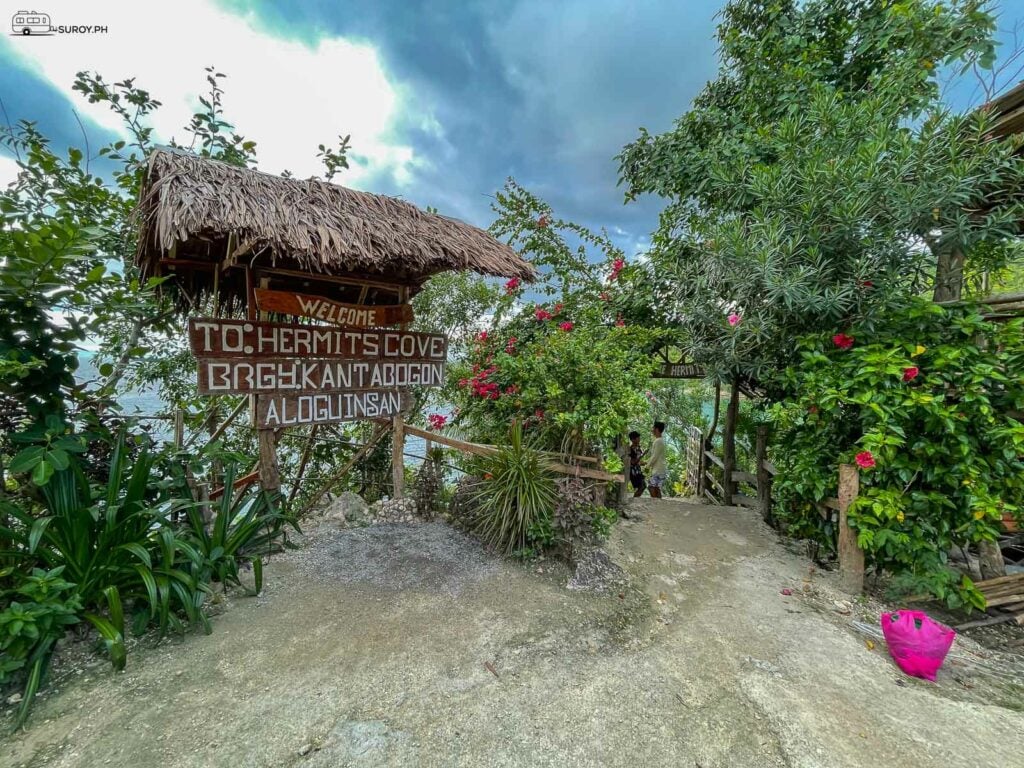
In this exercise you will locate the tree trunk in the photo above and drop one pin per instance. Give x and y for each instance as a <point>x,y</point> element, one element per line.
<point>949,275</point>
<point>729,443</point>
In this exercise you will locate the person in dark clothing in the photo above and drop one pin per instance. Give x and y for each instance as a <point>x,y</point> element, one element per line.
<point>636,470</point>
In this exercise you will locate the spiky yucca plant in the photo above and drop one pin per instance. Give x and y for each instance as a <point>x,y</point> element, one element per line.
<point>517,489</point>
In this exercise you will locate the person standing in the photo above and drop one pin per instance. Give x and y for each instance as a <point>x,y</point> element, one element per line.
<point>656,461</point>
<point>636,469</point>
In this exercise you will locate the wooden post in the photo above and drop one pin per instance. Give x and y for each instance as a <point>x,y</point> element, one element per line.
<point>270,470</point>
<point>179,429</point>
<point>764,478</point>
<point>622,450</point>
<point>851,556</point>
<point>990,560</point>
<point>397,456</point>
<point>729,443</point>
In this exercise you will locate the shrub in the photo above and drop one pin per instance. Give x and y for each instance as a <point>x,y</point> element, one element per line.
<point>516,490</point>
<point>922,400</point>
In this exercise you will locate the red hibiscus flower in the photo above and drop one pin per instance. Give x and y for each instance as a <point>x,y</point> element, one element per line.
<point>842,341</point>
<point>542,314</point>
<point>909,374</point>
<point>865,460</point>
<point>566,326</point>
<point>512,286</point>
<point>437,421</point>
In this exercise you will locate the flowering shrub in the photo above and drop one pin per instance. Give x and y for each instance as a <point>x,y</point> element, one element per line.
<point>922,404</point>
<point>436,421</point>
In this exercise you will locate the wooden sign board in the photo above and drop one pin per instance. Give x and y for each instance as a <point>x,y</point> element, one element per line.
<point>235,376</point>
<point>680,371</point>
<point>219,338</point>
<point>321,308</point>
<point>277,411</point>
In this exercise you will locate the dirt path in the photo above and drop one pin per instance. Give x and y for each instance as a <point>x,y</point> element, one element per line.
<point>369,648</point>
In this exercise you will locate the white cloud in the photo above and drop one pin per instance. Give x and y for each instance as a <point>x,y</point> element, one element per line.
<point>8,171</point>
<point>285,95</point>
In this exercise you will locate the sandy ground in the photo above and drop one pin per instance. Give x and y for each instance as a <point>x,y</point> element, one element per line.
<point>368,648</point>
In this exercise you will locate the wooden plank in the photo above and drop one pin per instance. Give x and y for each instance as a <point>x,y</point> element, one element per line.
<point>851,557</point>
<point>999,600</point>
<point>236,376</point>
<point>220,338</point>
<point>276,411</point>
<point>680,371</point>
<point>242,482</point>
<point>831,502</point>
<point>202,266</point>
<point>745,477</point>
<point>395,287</point>
<point>330,311</point>
<point>714,459</point>
<point>741,500</point>
<point>490,450</point>
<point>987,583</point>
<point>769,467</point>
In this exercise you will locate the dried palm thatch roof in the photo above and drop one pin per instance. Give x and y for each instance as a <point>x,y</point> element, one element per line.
<point>196,207</point>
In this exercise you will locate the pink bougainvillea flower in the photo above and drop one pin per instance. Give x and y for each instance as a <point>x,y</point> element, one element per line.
<point>510,345</point>
<point>566,326</point>
<point>482,336</point>
<point>437,421</point>
<point>542,314</point>
<point>617,266</point>
<point>512,286</point>
<point>842,341</point>
<point>734,319</point>
<point>463,382</point>
<point>909,374</point>
<point>865,460</point>
<point>511,389</point>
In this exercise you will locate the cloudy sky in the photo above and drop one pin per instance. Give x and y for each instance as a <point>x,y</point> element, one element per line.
<point>444,99</point>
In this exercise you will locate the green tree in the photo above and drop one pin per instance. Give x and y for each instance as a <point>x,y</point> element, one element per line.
<point>819,176</point>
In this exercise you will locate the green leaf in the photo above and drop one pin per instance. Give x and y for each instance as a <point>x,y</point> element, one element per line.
<point>42,473</point>
<point>26,459</point>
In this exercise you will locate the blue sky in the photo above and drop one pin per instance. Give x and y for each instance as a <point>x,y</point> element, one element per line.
<point>443,99</point>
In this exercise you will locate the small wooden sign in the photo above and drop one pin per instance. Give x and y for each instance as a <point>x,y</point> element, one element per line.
<point>680,371</point>
<point>277,411</point>
<point>234,376</point>
<point>216,337</point>
<point>321,308</point>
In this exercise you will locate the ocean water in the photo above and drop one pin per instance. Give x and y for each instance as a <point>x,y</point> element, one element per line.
<point>147,403</point>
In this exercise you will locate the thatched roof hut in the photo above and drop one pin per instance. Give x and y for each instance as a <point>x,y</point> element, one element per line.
<point>1008,112</point>
<point>215,225</point>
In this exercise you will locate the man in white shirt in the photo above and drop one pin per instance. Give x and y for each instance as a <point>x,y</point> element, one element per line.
<point>656,463</point>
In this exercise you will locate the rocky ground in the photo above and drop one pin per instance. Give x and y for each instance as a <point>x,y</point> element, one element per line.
<point>408,645</point>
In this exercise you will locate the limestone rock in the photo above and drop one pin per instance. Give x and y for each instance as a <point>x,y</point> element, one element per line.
<point>348,508</point>
<point>595,571</point>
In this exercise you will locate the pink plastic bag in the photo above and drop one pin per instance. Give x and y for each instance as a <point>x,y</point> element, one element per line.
<point>917,644</point>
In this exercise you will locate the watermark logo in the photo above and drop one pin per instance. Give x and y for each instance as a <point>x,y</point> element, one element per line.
<point>38,24</point>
